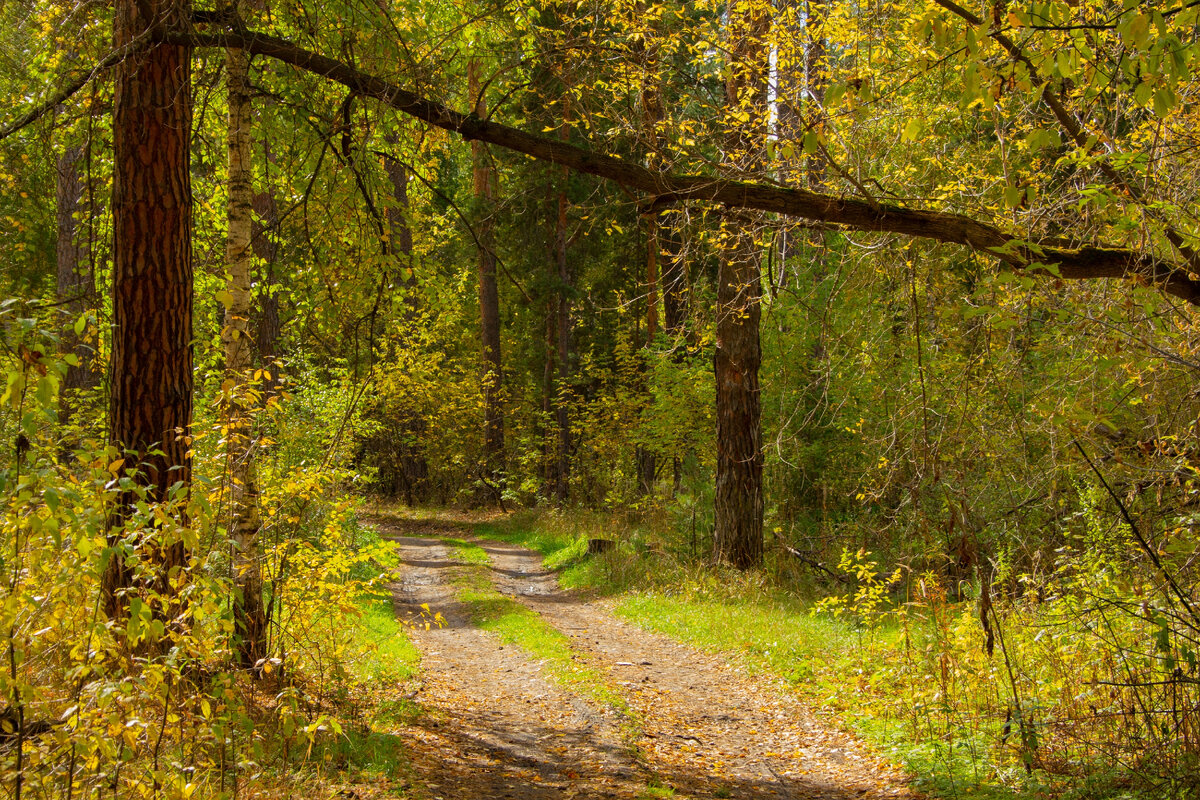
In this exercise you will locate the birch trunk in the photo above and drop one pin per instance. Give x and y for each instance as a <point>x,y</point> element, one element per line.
<point>249,614</point>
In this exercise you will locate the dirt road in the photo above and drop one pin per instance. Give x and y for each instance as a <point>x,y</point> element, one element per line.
<point>498,726</point>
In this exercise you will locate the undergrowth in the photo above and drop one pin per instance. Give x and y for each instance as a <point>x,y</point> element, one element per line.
<point>898,659</point>
<point>145,697</point>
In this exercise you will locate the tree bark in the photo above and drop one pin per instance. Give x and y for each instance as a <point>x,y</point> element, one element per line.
<point>739,499</point>
<point>76,286</point>
<point>676,290</point>
<point>652,113</point>
<point>489,297</point>
<point>269,327</point>
<point>738,505</point>
<point>249,611</point>
<point>150,407</point>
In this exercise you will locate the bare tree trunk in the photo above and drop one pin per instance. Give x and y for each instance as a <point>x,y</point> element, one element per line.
<point>652,113</point>
<point>151,401</point>
<point>676,289</point>
<point>249,612</point>
<point>489,297</point>
<point>563,326</point>
<point>413,468</point>
<point>652,248</point>
<point>816,79</point>
<point>76,287</point>
<point>739,500</point>
<point>549,404</point>
<point>266,249</point>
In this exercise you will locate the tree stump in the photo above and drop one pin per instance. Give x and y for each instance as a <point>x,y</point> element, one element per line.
<point>596,546</point>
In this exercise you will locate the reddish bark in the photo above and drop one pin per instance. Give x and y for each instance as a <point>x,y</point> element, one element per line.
<point>150,411</point>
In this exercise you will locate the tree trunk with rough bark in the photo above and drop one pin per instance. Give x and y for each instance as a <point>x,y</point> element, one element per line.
<point>150,410</point>
<point>266,249</point>
<point>676,290</point>
<point>646,460</point>
<point>738,538</point>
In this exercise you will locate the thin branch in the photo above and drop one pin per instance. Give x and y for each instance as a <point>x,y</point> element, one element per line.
<point>1194,621</point>
<point>67,92</point>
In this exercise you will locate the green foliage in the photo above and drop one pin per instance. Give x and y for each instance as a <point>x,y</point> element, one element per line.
<point>151,702</point>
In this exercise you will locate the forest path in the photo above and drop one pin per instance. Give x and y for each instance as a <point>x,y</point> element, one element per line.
<point>498,726</point>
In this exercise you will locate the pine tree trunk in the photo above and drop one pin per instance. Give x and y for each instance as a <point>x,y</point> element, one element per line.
<point>151,400</point>
<point>738,539</point>
<point>249,612</point>
<point>739,499</point>
<point>489,297</point>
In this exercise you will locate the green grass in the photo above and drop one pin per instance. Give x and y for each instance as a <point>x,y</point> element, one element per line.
<point>562,540</point>
<point>522,627</point>
<point>387,655</point>
<point>467,552</point>
<point>832,661</point>
<point>827,660</point>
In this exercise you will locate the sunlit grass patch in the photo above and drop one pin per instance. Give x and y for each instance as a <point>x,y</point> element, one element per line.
<point>562,539</point>
<point>385,652</point>
<point>467,552</point>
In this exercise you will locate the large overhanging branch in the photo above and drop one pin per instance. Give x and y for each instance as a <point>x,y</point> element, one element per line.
<point>1069,263</point>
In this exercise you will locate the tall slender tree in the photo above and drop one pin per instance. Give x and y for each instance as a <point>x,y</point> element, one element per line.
<point>485,186</point>
<point>411,468</point>
<point>562,319</point>
<point>249,612</point>
<point>76,286</point>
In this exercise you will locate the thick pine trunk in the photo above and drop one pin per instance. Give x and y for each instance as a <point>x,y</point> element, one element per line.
<point>150,411</point>
<point>489,297</point>
<point>249,611</point>
<point>739,499</point>
<point>738,505</point>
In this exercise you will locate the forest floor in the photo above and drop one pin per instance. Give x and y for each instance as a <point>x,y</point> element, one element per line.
<point>595,707</point>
